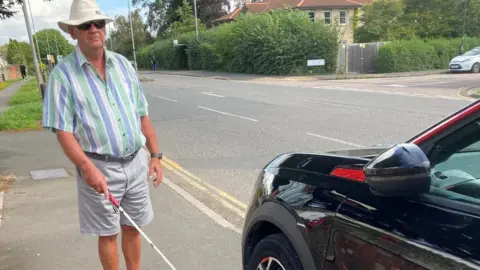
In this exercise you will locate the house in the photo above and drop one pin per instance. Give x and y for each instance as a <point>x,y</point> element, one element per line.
<point>339,12</point>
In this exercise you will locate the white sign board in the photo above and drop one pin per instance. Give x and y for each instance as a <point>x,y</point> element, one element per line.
<point>315,62</point>
<point>175,42</point>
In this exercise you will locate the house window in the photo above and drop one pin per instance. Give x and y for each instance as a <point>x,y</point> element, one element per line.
<point>343,17</point>
<point>311,15</point>
<point>327,15</point>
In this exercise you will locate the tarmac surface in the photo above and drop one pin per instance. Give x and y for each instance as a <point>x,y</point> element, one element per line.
<point>216,136</point>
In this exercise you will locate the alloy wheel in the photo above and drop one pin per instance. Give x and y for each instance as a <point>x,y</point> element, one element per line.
<point>270,263</point>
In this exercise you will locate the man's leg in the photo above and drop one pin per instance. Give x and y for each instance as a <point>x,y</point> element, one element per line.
<point>97,215</point>
<point>108,252</point>
<point>137,205</point>
<point>131,247</point>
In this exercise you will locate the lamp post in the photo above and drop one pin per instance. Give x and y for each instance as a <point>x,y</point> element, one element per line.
<point>28,22</point>
<point>34,30</point>
<point>131,30</point>
<point>196,20</point>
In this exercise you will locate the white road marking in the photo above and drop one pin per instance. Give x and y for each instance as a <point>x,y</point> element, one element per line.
<point>337,104</point>
<point>212,94</point>
<point>201,206</point>
<point>335,140</point>
<point>387,92</point>
<point>428,83</point>
<point>395,85</point>
<point>230,114</point>
<point>165,98</point>
<point>2,194</point>
<point>414,85</point>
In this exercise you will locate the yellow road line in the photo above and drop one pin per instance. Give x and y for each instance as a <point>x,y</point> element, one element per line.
<point>196,178</point>
<point>238,211</point>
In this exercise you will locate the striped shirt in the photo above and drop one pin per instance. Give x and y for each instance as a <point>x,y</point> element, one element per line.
<point>104,116</point>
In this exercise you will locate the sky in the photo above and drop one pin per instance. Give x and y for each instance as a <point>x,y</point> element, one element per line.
<point>47,14</point>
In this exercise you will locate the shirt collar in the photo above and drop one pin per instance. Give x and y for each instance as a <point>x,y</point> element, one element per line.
<point>81,59</point>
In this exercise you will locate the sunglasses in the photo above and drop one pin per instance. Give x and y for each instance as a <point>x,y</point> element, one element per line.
<point>98,24</point>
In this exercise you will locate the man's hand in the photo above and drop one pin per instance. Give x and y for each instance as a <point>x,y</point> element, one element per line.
<point>156,167</point>
<point>95,179</point>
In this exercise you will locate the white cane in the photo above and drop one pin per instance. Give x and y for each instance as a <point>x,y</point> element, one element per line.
<point>116,205</point>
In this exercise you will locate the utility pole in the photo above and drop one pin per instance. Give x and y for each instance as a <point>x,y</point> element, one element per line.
<point>464,22</point>
<point>28,22</point>
<point>133,40</point>
<point>196,20</point>
<point>34,30</point>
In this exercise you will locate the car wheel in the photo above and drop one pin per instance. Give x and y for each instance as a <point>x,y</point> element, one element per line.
<point>476,68</point>
<point>274,252</point>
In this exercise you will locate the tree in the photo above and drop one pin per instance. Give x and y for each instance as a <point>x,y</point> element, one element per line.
<point>383,20</point>
<point>121,38</point>
<point>391,19</point>
<point>156,15</point>
<point>162,14</point>
<point>186,22</point>
<point>48,42</point>
<point>6,8</point>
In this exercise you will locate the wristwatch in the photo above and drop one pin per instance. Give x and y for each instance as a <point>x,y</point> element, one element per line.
<point>156,155</point>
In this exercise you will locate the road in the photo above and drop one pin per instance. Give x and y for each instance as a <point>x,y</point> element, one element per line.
<point>434,85</point>
<point>216,136</point>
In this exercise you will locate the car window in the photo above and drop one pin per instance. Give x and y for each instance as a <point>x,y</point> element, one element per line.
<point>455,162</point>
<point>472,52</point>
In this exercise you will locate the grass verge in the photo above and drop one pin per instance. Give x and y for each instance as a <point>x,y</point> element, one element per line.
<point>25,111</point>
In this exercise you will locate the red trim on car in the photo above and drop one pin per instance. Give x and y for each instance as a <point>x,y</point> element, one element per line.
<point>429,134</point>
<point>349,173</point>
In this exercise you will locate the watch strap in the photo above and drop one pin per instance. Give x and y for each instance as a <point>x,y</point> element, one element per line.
<point>156,155</point>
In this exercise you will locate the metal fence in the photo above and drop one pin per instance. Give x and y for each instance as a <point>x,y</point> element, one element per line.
<point>358,57</point>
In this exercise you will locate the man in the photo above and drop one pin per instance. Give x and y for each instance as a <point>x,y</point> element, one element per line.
<point>23,71</point>
<point>95,104</point>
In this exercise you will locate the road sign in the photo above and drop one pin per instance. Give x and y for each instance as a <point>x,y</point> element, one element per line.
<point>315,62</point>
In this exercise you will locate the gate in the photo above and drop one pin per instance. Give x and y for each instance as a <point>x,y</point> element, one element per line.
<point>358,57</point>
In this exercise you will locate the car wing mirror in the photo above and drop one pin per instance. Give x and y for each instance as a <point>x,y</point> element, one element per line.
<point>402,170</point>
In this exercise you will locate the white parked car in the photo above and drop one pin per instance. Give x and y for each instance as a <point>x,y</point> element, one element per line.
<point>469,61</point>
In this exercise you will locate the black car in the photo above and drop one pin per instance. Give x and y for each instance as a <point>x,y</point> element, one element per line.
<point>414,205</point>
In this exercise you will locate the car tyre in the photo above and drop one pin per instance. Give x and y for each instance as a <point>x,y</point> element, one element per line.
<point>277,249</point>
<point>476,68</point>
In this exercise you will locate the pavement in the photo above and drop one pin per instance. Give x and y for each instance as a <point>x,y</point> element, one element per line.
<point>39,229</point>
<point>216,136</point>
<point>7,93</point>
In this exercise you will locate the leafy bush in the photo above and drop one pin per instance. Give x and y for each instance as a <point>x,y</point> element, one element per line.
<point>277,43</point>
<point>167,55</point>
<point>420,55</point>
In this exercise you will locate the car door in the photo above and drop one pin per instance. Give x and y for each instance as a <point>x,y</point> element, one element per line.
<point>436,230</point>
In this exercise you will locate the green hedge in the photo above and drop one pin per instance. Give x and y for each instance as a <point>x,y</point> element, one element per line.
<point>276,43</point>
<point>420,55</point>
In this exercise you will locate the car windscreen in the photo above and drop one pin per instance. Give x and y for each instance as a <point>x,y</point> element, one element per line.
<point>473,52</point>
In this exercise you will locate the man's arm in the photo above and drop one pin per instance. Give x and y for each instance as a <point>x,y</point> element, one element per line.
<point>149,133</point>
<point>72,149</point>
<point>58,116</point>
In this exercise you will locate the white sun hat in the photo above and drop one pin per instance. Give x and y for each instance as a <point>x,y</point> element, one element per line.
<point>82,11</point>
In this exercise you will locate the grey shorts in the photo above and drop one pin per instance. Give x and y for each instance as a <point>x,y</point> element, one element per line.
<point>129,184</point>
